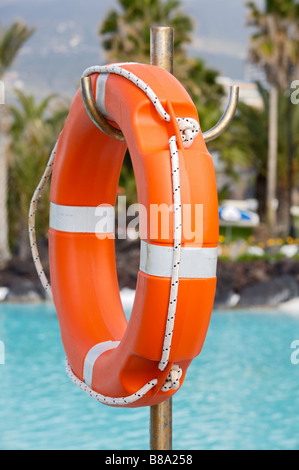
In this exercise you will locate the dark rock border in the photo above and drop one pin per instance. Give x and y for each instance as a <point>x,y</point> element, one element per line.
<point>241,284</point>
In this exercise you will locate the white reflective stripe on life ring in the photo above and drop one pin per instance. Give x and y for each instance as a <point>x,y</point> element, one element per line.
<point>101,88</point>
<point>93,354</point>
<point>77,219</point>
<point>195,263</point>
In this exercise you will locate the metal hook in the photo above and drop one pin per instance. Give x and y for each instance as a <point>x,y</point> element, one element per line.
<point>99,120</point>
<point>95,115</point>
<point>227,116</point>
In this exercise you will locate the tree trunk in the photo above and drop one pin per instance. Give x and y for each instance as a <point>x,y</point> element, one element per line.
<point>283,219</point>
<point>291,181</point>
<point>272,159</point>
<point>260,194</point>
<point>22,243</point>
<point>285,187</point>
<point>4,245</point>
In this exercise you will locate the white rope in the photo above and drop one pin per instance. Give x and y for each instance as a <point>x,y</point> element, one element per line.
<point>173,379</point>
<point>189,129</point>
<point>114,69</point>
<point>31,223</point>
<point>177,236</point>
<point>120,401</point>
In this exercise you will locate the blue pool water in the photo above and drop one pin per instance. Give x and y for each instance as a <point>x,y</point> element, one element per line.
<point>242,392</point>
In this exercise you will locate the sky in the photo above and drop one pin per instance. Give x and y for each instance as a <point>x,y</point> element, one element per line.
<point>66,39</point>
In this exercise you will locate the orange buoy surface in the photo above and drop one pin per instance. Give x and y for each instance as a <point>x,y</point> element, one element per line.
<point>144,361</point>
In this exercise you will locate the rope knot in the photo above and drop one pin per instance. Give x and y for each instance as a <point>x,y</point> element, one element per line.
<point>189,129</point>
<point>173,379</point>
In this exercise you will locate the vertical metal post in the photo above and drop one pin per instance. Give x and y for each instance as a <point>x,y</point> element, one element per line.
<point>162,53</point>
<point>161,426</point>
<point>162,47</point>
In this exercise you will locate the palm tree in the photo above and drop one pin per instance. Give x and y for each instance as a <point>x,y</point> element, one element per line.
<point>288,160</point>
<point>245,145</point>
<point>274,46</point>
<point>125,35</point>
<point>11,40</point>
<point>34,129</point>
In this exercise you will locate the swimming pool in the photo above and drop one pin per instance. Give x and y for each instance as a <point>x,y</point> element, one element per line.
<point>240,393</point>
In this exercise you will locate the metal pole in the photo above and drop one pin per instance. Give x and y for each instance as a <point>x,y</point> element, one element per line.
<point>161,426</point>
<point>161,47</point>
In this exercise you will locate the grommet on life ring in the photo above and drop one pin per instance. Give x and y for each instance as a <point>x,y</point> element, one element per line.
<point>144,361</point>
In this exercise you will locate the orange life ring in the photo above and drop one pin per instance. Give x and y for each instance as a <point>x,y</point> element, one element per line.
<point>144,361</point>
